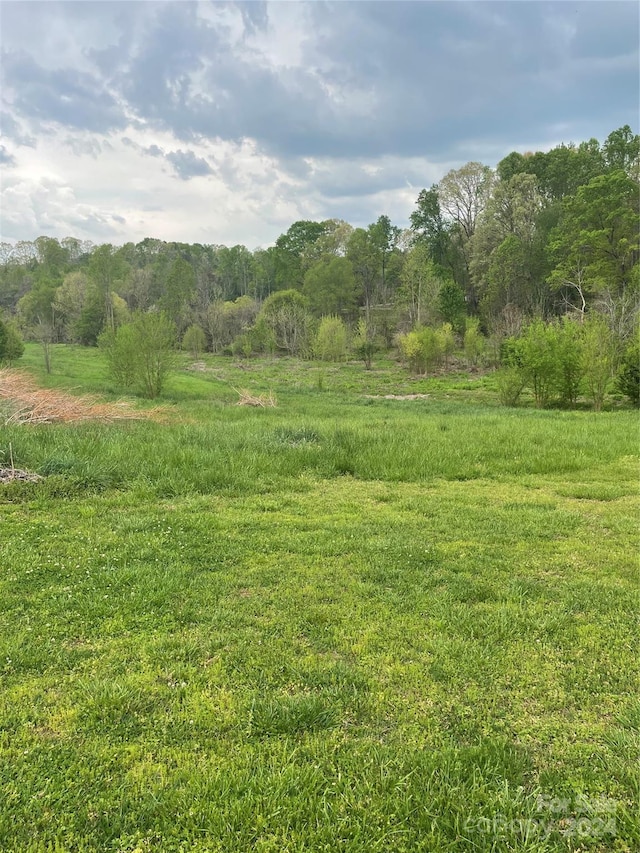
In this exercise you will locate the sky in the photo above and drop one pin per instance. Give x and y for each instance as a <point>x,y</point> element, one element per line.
<point>224,123</point>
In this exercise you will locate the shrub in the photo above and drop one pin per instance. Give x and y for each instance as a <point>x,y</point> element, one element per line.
<point>446,341</point>
<point>120,347</point>
<point>539,361</point>
<point>364,342</point>
<point>628,379</point>
<point>421,349</point>
<point>510,383</point>
<point>474,342</point>
<point>194,340</point>
<point>598,358</point>
<point>285,314</point>
<point>331,340</point>
<point>11,345</point>
<point>570,360</point>
<point>141,353</point>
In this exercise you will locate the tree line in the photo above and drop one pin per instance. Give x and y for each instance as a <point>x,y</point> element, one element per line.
<point>543,236</point>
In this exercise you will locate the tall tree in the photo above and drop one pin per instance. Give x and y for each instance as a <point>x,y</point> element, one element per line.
<point>291,247</point>
<point>596,245</point>
<point>106,269</point>
<point>330,286</point>
<point>179,292</point>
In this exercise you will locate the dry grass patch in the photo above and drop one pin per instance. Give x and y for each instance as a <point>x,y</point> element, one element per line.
<point>249,399</point>
<point>23,402</point>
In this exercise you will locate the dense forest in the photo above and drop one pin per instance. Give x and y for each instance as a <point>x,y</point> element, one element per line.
<point>544,236</point>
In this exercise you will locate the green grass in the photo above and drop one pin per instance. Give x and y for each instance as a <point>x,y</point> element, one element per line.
<point>342,624</point>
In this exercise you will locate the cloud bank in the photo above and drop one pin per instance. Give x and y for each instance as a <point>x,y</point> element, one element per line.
<point>225,122</point>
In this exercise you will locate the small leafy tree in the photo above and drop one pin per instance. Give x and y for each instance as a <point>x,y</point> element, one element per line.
<point>598,358</point>
<point>538,356</point>
<point>510,384</point>
<point>331,340</point>
<point>628,379</point>
<point>44,332</point>
<point>421,349</point>
<point>11,345</point>
<point>194,340</point>
<point>364,342</point>
<point>451,304</point>
<point>120,347</point>
<point>141,353</point>
<point>474,341</point>
<point>156,336</point>
<point>446,342</point>
<point>570,360</point>
<point>285,313</point>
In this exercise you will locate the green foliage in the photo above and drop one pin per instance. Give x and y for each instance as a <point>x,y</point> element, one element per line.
<point>598,358</point>
<point>285,313</point>
<point>446,341</point>
<point>596,243</point>
<point>141,354</point>
<point>420,284</point>
<point>474,341</point>
<point>178,293</point>
<point>364,342</point>
<point>194,340</point>
<point>451,304</point>
<point>120,348</point>
<point>91,320</point>
<point>422,349</point>
<point>11,344</point>
<point>510,384</point>
<point>330,286</point>
<point>569,346</point>
<point>331,340</point>
<point>538,360</point>
<point>628,378</point>
<point>227,320</point>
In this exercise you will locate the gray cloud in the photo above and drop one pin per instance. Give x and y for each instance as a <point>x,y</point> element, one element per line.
<point>343,102</point>
<point>188,165</point>
<point>375,78</point>
<point>72,98</point>
<point>6,158</point>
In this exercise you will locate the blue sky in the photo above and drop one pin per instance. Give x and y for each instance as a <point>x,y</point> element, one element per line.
<point>226,122</point>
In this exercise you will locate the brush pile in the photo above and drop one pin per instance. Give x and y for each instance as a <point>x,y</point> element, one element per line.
<point>8,475</point>
<point>22,402</point>
<point>249,399</point>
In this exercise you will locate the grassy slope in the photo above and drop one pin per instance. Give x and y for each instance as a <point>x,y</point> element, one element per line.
<point>341,624</point>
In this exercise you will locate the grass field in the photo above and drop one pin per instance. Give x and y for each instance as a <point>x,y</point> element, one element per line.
<point>346,623</point>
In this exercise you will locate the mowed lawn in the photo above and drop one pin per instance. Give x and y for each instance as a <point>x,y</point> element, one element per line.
<point>345,623</point>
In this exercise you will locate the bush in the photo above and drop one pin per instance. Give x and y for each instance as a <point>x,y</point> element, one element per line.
<point>421,349</point>
<point>570,360</point>
<point>288,320</point>
<point>535,356</point>
<point>11,345</point>
<point>510,384</point>
<point>141,353</point>
<point>474,342</point>
<point>120,347</point>
<point>364,342</point>
<point>598,358</point>
<point>446,341</point>
<point>628,379</point>
<point>194,340</point>
<point>331,340</point>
